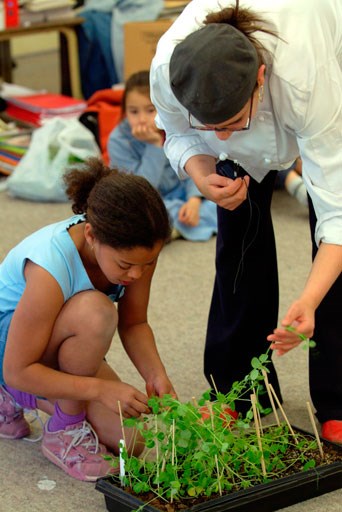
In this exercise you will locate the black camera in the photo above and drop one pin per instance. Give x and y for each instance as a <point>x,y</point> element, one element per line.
<point>230,169</point>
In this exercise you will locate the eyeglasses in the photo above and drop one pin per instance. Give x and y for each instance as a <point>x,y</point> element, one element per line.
<point>224,129</point>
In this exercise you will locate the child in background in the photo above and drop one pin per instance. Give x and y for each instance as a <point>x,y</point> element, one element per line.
<point>136,146</point>
<point>57,319</point>
<point>292,181</point>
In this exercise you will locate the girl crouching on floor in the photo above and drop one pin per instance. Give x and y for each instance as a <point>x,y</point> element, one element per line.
<point>57,319</point>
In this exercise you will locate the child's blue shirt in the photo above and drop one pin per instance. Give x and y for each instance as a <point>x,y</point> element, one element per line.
<point>53,249</point>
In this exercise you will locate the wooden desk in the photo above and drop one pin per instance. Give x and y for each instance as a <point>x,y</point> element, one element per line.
<point>69,62</point>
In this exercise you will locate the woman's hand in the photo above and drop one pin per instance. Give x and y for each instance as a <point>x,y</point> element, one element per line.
<point>301,318</point>
<point>189,213</point>
<point>225,192</point>
<point>301,315</point>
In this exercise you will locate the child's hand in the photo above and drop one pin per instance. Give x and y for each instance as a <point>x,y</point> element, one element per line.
<point>160,386</point>
<point>148,133</point>
<point>189,213</point>
<point>132,401</point>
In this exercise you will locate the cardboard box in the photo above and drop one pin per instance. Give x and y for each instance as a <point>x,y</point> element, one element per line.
<point>140,42</point>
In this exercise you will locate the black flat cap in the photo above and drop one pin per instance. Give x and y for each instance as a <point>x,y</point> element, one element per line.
<point>213,72</point>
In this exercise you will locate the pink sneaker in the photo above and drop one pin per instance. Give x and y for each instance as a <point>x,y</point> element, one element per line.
<point>12,422</point>
<point>77,451</point>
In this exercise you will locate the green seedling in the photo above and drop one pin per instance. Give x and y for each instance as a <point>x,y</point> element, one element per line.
<point>189,454</point>
<point>307,343</point>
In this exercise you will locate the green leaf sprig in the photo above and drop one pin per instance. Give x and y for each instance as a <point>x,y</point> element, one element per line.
<point>307,342</point>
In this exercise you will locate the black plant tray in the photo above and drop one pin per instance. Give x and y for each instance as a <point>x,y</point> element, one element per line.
<point>269,497</point>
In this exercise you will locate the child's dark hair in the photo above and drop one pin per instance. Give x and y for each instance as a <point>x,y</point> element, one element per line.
<point>138,81</point>
<point>124,210</point>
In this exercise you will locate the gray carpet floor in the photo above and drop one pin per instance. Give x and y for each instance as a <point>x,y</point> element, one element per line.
<point>178,312</point>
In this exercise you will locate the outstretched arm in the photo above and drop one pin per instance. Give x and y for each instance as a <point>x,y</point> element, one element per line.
<point>326,268</point>
<point>137,336</point>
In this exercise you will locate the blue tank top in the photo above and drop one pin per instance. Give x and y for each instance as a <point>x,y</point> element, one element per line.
<point>52,248</point>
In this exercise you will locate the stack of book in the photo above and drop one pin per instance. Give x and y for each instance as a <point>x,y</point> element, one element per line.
<point>38,11</point>
<point>13,145</point>
<point>36,108</point>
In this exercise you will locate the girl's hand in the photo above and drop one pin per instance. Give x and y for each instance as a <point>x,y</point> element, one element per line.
<point>301,317</point>
<point>160,386</point>
<point>189,212</point>
<point>132,401</point>
<point>148,133</point>
<point>225,192</point>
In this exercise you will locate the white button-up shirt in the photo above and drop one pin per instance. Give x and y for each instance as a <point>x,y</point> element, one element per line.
<point>301,113</point>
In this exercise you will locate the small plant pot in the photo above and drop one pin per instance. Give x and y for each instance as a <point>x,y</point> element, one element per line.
<point>275,495</point>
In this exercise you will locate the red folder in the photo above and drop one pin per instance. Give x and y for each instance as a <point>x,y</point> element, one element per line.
<point>36,108</point>
<point>48,102</point>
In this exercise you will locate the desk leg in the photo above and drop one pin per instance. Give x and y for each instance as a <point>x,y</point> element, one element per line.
<point>70,70</point>
<point>5,61</point>
<point>64,66</point>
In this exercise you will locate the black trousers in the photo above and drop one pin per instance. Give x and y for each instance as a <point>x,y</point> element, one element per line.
<point>244,306</point>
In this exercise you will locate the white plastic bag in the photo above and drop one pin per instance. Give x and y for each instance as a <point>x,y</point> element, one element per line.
<point>57,145</point>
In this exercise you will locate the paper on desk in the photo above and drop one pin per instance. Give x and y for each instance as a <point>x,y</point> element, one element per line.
<point>7,90</point>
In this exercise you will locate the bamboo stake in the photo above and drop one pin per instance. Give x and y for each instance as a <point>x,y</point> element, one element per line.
<point>194,401</point>
<point>157,449</point>
<point>259,420</point>
<point>256,421</point>
<point>258,413</point>
<point>173,443</point>
<point>164,461</point>
<point>173,450</point>
<point>216,391</point>
<point>211,412</point>
<point>283,413</point>
<point>218,475</point>
<point>133,441</point>
<point>270,396</point>
<point>121,423</point>
<point>312,419</point>
<point>213,383</point>
<point>210,407</point>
